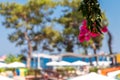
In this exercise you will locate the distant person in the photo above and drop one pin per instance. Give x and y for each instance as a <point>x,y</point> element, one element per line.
<point>46,76</point>
<point>17,72</point>
<point>60,77</point>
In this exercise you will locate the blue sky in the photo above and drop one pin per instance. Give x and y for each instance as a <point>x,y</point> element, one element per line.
<point>112,11</point>
<point>111,8</point>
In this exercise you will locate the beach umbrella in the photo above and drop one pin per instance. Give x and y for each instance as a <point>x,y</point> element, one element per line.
<point>16,65</point>
<point>113,73</point>
<point>52,63</point>
<point>64,63</point>
<point>92,76</point>
<point>102,63</point>
<point>4,78</point>
<point>79,63</point>
<point>3,65</point>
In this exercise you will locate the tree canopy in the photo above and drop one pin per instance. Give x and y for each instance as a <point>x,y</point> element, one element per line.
<point>26,21</point>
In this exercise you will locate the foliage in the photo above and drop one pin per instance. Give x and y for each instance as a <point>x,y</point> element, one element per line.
<point>85,34</point>
<point>24,18</point>
<point>64,70</point>
<point>12,58</point>
<point>32,71</point>
<point>2,69</point>
<point>23,57</point>
<point>69,68</point>
<point>49,31</point>
<point>93,69</point>
<point>26,21</point>
<point>117,76</point>
<point>70,21</point>
<point>92,13</point>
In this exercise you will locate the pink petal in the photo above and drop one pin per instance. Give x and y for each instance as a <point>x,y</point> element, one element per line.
<point>81,38</point>
<point>84,30</point>
<point>94,34</point>
<point>84,22</point>
<point>104,29</point>
<point>87,38</point>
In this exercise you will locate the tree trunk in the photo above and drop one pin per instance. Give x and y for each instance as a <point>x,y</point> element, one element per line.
<point>29,49</point>
<point>94,50</point>
<point>110,42</point>
<point>29,54</point>
<point>69,48</point>
<point>110,45</point>
<point>85,53</point>
<point>96,57</point>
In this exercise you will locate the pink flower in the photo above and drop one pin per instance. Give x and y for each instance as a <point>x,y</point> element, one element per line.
<point>85,34</point>
<point>84,37</point>
<point>93,34</point>
<point>81,38</point>
<point>104,29</point>
<point>84,22</point>
<point>83,30</point>
<point>87,37</point>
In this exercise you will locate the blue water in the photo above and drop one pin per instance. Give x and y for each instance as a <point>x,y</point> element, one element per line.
<point>72,59</point>
<point>43,61</point>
